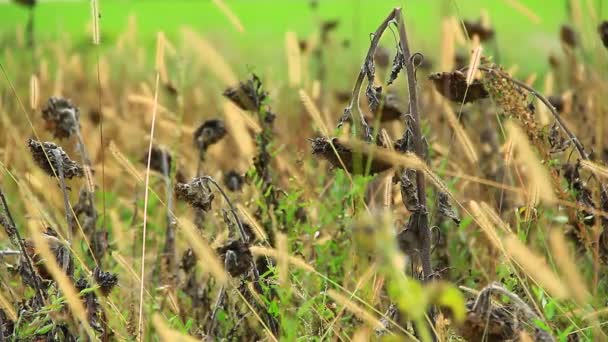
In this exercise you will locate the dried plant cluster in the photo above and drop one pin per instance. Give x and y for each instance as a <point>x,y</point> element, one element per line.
<point>451,201</point>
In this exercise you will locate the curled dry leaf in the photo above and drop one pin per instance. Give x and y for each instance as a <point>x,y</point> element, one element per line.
<point>237,257</point>
<point>248,95</point>
<point>453,86</point>
<point>602,29</point>
<point>477,28</point>
<point>209,133</point>
<point>322,147</point>
<point>61,117</point>
<point>106,280</point>
<point>196,193</point>
<point>444,208</point>
<point>233,180</point>
<point>56,158</point>
<point>161,159</point>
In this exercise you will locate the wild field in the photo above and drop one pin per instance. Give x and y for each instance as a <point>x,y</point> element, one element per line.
<point>348,175</point>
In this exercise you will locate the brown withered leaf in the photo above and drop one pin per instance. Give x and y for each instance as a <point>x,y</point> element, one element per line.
<point>476,28</point>
<point>322,148</point>
<point>444,208</point>
<point>453,86</point>
<point>196,193</point>
<point>56,158</point>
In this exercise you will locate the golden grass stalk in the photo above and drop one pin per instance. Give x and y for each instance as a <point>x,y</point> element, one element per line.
<point>525,11</point>
<point>210,57</point>
<point>64,283</point>
<point>160,65</point>
<point>535,267</point>
<point>474,63</point>
<point>34,93</point>
<point>595,168</point>
<point>283,259</point>
<point>459,37</point>
<point>238,130</point>
<point>447,45</point>
<point>147,101</point>
<point>525,337</point>
<point>124,162</point>
<point>494,217</point>
<point>208,261</point>
<point>8,308</point>
<point>95,19</point>
<point>362,335</point>
<point>273,253</point>
<point>146,197</point>
<point>314,112</point>
<point>89,180</point>
<point>259,232</point>
<point>486,225</point>
<point>355,309</point>
<point>568,268</point>
<point>315,90</point>
<point>461,134</point>
<point>167,334</point>
<point>294,63</point>
<point>538,177</point>
<point>234,20</point>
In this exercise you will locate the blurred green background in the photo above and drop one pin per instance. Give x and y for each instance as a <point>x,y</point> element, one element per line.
<point>521,40</point>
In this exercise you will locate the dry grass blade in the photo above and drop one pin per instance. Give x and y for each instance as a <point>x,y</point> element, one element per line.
<point>8,308</point>
<point>486,225</point>
<point>160,65</point>
<point>234,20</point>
<point>535,267</point>
<point>167,334</point>
<point>208,260</point>
<point>595,168</point>
<point>146,197</point>
<point>211,58</point>
<point>568,268</point>
<point>314,112</point>
<point>64,283</point>
<point>283,259</point>
<point>461,134</point>
<point>474,64</point>
<point>95,20</point>
<point>525,11</point>
<point>355,309</point>
<point>273,253</point>
<point>34,93</point>
<point>539,180</point>
<point>124,162</point>
<point>238,130</point>
<point>294,62</point>
<point>447,45</point>
<point>259,232</point>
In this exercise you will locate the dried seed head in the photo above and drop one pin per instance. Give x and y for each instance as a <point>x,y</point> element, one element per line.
<point>106,280</point>
<point>568,36</point>
<point>247,95</point>
<point>196,193</point>
<point>57,158</point>
<point>453,86</point>
<point>233,180</point>
<point>557,102</point>
<point>237,257</point>
<point>382,57</point>
<point>161,159</point>
<point>476,28</point>
<point>602,29</point>
<point>61,117</point>
<point>207,134</point>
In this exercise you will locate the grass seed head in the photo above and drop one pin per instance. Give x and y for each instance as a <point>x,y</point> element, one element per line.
<point>56,158</point>
<point>61,117</point>
<point>196,193</point>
